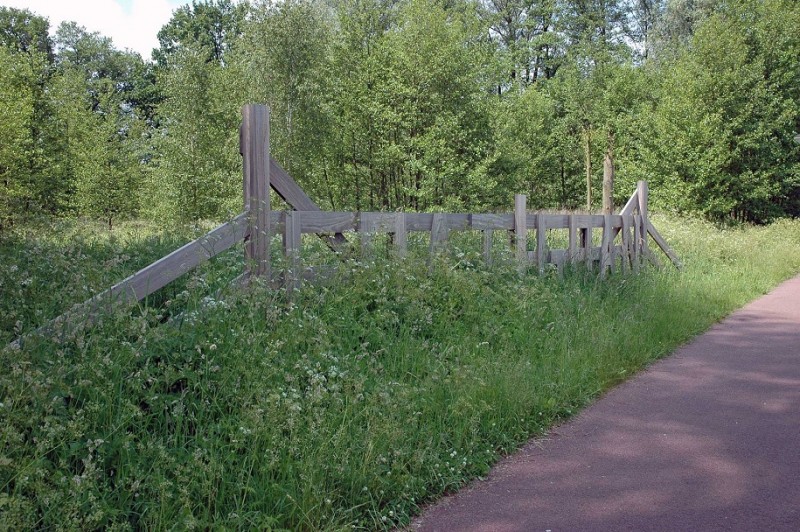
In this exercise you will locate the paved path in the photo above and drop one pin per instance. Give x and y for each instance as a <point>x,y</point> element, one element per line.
<point>707,439</point>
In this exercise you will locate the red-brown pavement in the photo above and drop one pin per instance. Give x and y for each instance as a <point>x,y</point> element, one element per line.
<point>705,439</point>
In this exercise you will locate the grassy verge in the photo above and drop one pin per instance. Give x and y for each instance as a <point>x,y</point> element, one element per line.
<point>349,405</point>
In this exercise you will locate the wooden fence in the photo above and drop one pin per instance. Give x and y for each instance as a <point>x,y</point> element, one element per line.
<point>623,243</point>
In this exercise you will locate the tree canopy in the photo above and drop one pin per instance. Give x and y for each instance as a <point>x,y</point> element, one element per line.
<point>410,104</point>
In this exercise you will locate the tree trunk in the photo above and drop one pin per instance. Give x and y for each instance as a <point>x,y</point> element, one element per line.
<point>587,162</point>
<point>608,176</point>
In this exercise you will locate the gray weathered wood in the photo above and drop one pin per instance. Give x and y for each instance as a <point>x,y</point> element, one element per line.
<point>155,276</point>
<point>605,247</point>
<point>439,232</point>
<point>573,239</point>
<point>293,242</point>
<point>521,229</point>
<point>290,192</point>
<point>632,204</point>
<point>365,230</point>
<point>400,234</point>
<point>637,247</point>
<point>664,246</point>
<point>328,222</point>
<point>626,243</point>
<point>254,138</point>
<point>541,242</point>
<point>493,221</point>
<point>586,244</point>
<point>642,192</point>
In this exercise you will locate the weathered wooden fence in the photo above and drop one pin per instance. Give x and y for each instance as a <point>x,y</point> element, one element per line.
<point>623,244</point>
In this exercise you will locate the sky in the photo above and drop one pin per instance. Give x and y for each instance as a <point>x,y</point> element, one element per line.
<point>131,24</point>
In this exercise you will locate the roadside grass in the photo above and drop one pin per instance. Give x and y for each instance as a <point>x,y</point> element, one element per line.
<point>345,405</point>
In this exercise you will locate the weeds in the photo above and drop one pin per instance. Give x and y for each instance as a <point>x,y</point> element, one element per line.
<point>346,405</point>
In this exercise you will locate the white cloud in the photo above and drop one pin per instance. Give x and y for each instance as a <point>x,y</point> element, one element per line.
<point>135,28</point>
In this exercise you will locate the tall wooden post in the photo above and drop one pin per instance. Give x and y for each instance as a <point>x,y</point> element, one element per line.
<point>521,230</point>
<point>642,193</point>
<point>254,147</point>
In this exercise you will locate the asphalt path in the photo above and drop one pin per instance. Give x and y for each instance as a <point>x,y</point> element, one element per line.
<point>705,439</point>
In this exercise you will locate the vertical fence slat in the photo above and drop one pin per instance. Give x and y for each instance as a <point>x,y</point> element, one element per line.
<point>292,241</point>
<point>626,243</point>
<point>606,256</point>
<point>438,232</point>
<point>637,230</point>
<point>521,229</point>
<point>586,241</point>
<point>254,138</point>
<point>643,193</point>
<point>400,234</point>
<point>541,241</point>
<point>365,229</point>
<point>573,237</point>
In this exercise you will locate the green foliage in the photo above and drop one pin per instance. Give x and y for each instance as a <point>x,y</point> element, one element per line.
<point>16,144</point>
<point>212,25</point>
<point>410,104</point>
<point>196,173</point>
<point>350,404</point>
<point>729,105</point>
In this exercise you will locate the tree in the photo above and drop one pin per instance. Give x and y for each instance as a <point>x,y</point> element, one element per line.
<point>196,172</point>
<point>729,108</point>
<point>213,25</point>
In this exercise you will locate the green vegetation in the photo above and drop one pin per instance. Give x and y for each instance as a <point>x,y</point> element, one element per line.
<point>412,104</point>
<point>348,404</point>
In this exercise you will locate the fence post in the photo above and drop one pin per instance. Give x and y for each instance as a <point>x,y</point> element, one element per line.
<point>642,192</point>
<point>400,234</point>
<point>293,238</point>
<point>521,229</point>
<point>541,241</point>
<point>254,147</point>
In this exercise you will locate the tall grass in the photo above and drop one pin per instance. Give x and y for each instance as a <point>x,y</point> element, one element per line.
<point>345,405</point>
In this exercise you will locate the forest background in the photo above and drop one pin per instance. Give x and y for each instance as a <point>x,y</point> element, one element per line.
<point>409,104</point>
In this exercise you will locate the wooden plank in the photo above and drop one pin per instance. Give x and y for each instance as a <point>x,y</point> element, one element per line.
<point>290,192</point>
<point>664,246</point>
<point>632,204</point>
<point>521,229</point>
<point>541,242</point>
<point>605,247</point>
<point>400,234</point>
<point>365,230</point>
<point>439,232</point>
<point>457,221</point>
<point>254,138</point>
<point>586,243</point>
<point>419,221</point>
<point>642,192</point>
<point>557,257</point>
<point>156,275</point>
<point>553,221</point>
<point>292,242</point>
<point>487,246</point>
<point>626,243</point>
<point>573,239</point>
<point>492,221</point>
<point>637,247</point>
<point>328,222</point>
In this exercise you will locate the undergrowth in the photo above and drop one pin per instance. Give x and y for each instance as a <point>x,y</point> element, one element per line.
<point>344,405</point>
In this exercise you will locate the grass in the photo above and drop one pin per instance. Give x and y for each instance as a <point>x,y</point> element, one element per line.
<point>345,406</point>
